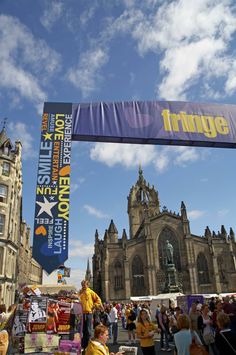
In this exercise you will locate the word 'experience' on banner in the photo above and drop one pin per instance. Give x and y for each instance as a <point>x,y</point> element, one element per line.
<point>50,244</point>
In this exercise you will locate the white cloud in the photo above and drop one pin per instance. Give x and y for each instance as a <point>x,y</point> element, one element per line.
<point>192,38</point>
<point>223,212</point>
<point>88,14</point>
<point>183,65</point>
<point>76,276</point>
<point>23,60</point>
<point>131,155</point>
<point>75,186</point>
<point>185,155</point>
<point>86,76</point>
<point>51,14</point>
<point>95,212</point>
<point>128,155</point>
<point>77,248</point>
<point>21,132</point>
<point>195,214</point>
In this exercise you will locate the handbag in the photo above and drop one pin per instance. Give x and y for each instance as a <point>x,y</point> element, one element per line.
<point>197,349</point>
<point>209,338</point>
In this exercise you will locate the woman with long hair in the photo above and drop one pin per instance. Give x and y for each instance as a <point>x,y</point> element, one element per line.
<point>145,332</point>
<point>205,327</point>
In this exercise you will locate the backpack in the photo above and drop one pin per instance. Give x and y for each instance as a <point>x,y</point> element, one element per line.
<point>132,316</point>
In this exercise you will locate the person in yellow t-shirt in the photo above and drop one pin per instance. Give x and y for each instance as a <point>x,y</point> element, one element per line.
<point>97,345</point>
<point>145,332</point>
<point>89,300</point>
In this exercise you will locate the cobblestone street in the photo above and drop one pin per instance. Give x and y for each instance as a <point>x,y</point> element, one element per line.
<point>123,340</point>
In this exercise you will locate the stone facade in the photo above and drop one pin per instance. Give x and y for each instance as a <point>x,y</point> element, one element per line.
<point>29,271</point>
<point>12,254</point>
<point>136,266</point>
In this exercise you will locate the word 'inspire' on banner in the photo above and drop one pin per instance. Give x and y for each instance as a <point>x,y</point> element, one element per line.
<point>50,246</point>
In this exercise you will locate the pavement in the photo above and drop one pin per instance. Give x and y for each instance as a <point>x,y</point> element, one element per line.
<point>123,340</point>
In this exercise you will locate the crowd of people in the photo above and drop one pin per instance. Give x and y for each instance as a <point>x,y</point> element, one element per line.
<point>208,328</point>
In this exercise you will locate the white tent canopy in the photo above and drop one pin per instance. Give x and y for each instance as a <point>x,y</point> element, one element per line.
<point>161,296</point>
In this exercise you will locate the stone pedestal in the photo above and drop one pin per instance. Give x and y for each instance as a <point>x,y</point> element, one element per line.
<point>172,284</point>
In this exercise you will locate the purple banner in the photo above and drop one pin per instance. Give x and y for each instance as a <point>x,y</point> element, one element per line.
<point>143,122</point>
<point>172,123</point>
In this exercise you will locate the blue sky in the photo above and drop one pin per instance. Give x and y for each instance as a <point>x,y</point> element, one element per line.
<point>91,51</point>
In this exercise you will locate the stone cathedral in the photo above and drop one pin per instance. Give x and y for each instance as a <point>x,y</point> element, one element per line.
<point>136,265</point>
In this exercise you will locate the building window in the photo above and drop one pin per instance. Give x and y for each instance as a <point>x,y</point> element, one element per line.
<point>2,223</point>
<point>138,276</point>
<point>202,270</point>
<point>3,193</point>
<point>7,149</point>
<point>118,279</point>
<point>6,169</point>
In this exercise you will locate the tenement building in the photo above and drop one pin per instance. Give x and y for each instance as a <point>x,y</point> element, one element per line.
<point>140,265</point>
<point>28,270</point>
<point>12,229</point>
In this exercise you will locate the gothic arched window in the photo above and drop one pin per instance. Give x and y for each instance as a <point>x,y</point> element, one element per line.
<point>220,262</point>
<point>202,270</point>
<point>168,234</point>
<point>118,278</point>
<point>138,275</point>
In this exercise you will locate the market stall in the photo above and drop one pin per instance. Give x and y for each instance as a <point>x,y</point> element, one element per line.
<point>48,319</point>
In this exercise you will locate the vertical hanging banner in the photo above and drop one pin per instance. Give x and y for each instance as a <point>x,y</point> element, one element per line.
<point>51,222</point>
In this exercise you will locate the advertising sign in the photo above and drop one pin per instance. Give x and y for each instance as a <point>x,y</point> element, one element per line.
<point>156,122</point>
<point>64,324</point>
<point>37,316</point>
<point>50,244</point>
<point>141,122</point>
<point>20,321</point>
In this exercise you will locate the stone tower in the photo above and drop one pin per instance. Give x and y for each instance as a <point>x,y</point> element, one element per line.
<point>143,202</point>
<point>88,274</point>
<point>10,216</point>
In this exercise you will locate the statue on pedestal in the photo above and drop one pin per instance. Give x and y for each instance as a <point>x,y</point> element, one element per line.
<point>169,253</point>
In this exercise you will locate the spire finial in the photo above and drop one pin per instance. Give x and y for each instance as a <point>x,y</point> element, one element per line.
<point>88,266</point>
<point>4,121</point>
<point>140,170</point>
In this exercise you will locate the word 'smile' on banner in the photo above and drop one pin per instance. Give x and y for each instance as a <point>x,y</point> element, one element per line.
<point>50,244</point>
